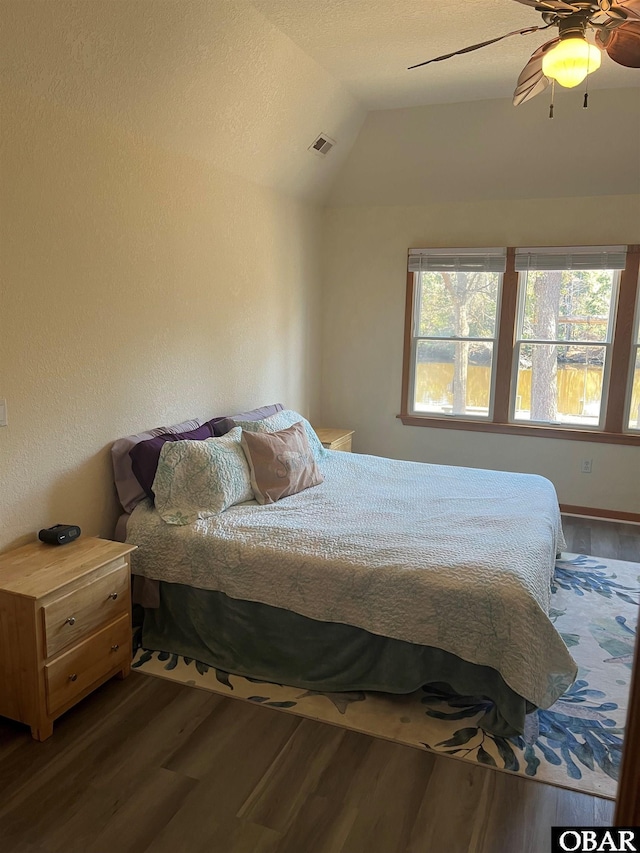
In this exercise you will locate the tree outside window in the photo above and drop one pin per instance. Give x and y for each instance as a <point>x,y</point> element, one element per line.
<point>558,321</point>
<point>562,381</point>
<point>456,322</point>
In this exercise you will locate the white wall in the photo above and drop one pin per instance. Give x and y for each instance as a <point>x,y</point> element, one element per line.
<point>367,236</point>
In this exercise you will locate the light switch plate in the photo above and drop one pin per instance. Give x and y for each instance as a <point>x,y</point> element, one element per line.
<point>3,413</point>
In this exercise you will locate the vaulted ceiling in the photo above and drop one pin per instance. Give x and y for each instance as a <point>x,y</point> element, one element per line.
<point>368,45</point>
<point>247,85</point>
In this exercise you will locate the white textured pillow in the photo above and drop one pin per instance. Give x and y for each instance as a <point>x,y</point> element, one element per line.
<point>198,479</point>
<point>282,420</point>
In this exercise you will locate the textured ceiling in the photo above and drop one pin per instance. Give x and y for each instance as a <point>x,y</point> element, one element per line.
<point>368,44</point>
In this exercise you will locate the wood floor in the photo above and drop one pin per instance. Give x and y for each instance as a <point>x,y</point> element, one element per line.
<point>602,538</point>
<point>148,765</point>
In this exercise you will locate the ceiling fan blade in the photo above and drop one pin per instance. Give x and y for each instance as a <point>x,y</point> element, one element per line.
<point>616,14</point>
<point>630,7</point>
<point>477,46</point>
<point>612,18</point>
<point>538,83</point>
<point>532,79</point>
<point>622,44</point>
<point>550,5</point>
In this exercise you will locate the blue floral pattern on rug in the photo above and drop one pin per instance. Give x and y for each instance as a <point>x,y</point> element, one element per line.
<point>585,574</point>
<point>576,743</point>
<point>616,637</point>
<point>577,731</point>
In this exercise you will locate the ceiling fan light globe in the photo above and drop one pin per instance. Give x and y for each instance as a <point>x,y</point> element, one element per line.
<point>570,61</point>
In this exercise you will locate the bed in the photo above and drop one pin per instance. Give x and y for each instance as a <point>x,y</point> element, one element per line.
<point>388,575</point>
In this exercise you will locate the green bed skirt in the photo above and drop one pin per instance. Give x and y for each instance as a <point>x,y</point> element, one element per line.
<point>275,645</point>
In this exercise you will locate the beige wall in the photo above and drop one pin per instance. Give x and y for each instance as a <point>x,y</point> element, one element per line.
<point>138,287</point>
<point>161,248</point>
<point>363,327</point>
<point>212,79</point>
<point>492,150</point>
<point>159,233</point>
<point>470,174</point>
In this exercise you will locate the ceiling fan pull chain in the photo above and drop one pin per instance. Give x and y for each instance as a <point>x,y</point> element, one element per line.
<point>585,102</point>
<point>553,92</point>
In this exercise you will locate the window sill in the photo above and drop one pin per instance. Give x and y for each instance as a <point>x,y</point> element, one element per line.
<point>533,431</point>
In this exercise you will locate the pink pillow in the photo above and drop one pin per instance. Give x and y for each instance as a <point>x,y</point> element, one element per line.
<point>280,463</point>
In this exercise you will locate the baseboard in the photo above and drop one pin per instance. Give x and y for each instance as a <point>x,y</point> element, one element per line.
<point>592,512</point>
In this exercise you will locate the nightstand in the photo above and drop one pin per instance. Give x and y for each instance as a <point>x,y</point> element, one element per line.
<point>335,439</point>
<point>65,626</point>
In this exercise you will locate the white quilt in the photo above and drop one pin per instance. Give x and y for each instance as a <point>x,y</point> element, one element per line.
<point>456,558</point>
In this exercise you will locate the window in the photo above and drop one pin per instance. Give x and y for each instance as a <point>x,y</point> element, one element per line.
<point>564,334</point>
<point>455,325</point>
<point>527,340</point>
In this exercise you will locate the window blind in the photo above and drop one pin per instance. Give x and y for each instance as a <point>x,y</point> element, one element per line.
<point>572,258</point>
<point>457,260</point>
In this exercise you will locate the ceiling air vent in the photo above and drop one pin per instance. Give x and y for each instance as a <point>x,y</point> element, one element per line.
<point>322,145</point>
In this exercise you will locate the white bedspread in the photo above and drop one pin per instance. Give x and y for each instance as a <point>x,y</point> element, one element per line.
<point>456,558</point>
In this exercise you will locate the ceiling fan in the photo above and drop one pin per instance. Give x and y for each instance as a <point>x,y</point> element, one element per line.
<point>569,57</point>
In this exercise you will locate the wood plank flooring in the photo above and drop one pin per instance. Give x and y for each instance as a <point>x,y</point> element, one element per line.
<point>148,766</point>
<point>612,539</point>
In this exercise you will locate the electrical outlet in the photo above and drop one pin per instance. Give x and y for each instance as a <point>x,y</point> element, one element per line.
<point>3,413</point>
<point>586,466</point>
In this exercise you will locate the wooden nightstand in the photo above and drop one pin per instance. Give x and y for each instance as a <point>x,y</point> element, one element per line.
<point>65,626</point>
<point>335,439</point>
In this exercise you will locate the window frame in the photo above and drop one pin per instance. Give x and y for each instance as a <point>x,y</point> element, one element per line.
<point>606,344</point>
<point>616,399</point>
<point>635,355</point>
<point>416,338</point>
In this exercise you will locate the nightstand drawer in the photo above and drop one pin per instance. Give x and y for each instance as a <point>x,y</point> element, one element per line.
<point>74,671</point>
<point>75,615</point>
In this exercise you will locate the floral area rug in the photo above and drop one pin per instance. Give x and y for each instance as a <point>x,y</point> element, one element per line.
<point>576,744</point>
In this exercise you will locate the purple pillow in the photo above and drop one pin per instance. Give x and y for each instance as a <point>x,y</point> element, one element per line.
<point>221,426</point>
<point>128,488</point>
<point>146,454</point>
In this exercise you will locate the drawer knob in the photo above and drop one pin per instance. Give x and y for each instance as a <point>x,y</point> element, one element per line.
<point>113,595</point>
<point>73,677</point>
<point>70,621</point>
<point>115,647</point>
